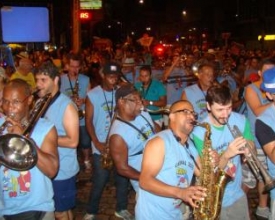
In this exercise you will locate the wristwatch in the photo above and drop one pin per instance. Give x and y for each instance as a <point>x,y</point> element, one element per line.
<point>151,103</point>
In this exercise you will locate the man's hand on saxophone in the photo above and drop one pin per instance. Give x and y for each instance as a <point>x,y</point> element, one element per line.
<point>192,194</point>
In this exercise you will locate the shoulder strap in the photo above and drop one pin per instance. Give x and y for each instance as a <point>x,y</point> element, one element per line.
<point>133,126</point>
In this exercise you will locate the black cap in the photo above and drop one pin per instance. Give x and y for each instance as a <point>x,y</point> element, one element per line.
<point>111,68</point>
<point>125,90</point>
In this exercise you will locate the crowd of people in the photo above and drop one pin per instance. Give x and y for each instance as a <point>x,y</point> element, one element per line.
<point>150,115</point>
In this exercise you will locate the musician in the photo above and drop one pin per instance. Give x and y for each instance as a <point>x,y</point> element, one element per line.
<point>100,106</point>
<point>70,82</point>
<point>265,131</point>
<point>153,93</point>
<point>219,106</point>
<point>257,103</point>
<point>33,197</point>
<point>63,113</point>
<point>196,93</point>
<point>128,133</point>
<point>165,180</point>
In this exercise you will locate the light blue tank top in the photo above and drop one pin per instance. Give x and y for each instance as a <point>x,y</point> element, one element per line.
<point>65,88</point>
<point>268,117</point>
<point>197,98</point>
<point>104,104</point>
<point>220,138</point>
<point>27,190</point>
<point>250,115</point>
<point>177,170</point>
<point>134,140</point>
<point>174,90</point>
<point>69,166</point>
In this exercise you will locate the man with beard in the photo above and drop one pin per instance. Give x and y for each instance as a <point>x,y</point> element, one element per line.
<point>196,93</point>
<point>165,180</point>
<point>63,113</point>
<point>221,119</point>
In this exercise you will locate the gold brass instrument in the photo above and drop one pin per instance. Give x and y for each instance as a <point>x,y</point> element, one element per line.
<point>213,179</point>
<point>18,152</point>
<point>253,162</point>
<point>106,159</point>
<point>81,112</point>
<point>163,110</point>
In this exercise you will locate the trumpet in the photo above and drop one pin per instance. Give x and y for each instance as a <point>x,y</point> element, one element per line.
<point>253,162</point>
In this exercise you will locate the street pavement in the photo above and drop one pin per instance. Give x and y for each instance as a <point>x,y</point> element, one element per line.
<point>107,203</point>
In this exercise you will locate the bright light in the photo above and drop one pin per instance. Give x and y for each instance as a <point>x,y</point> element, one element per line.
<point>148,29</point>
<point>267,37</point>
<point>133,33</point>
<point>109,26</point>
<point>184,12</point>
<point>141,2</point>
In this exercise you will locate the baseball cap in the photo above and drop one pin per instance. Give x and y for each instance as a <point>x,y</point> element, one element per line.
<point>111,68</point>
<point>125,90</point>
<point>268,84</point>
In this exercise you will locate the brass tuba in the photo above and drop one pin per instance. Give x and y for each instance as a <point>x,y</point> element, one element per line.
<point>255,165</point>
<point>18,152</point>
<point>81,112</point>
<point>213,179</point>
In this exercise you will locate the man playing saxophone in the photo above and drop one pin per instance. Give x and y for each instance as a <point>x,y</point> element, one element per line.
<point>27,194</point>
<point>219,105</point>
<point>165,181</point>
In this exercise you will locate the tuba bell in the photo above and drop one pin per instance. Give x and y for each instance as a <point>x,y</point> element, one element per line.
<point>18,152</point>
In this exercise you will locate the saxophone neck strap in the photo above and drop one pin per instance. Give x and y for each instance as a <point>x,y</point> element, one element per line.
<point>52,101</point>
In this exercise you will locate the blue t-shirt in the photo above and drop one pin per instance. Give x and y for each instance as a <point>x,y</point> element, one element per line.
<point>134,140</point>
<point>29,190</point>
<point>68,163</point>
<point>177,170</point>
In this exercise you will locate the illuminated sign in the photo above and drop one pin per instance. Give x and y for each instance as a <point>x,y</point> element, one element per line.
<point>266,37</point>
<point>90,4</point>
<point>85,15</point>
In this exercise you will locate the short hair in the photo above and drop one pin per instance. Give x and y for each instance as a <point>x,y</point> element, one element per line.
<point>218,93</point>
<point>20,83</point>
<point>75,56</point>
<point>266,61</point>
<point>208,64</point>
<point>47,68</point>
<point>146,68</point>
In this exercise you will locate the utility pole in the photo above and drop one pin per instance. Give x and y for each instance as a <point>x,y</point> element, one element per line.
<point>76,26</point>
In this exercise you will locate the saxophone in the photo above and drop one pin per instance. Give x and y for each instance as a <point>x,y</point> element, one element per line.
<point>213,179</point>
<point>81,112</point>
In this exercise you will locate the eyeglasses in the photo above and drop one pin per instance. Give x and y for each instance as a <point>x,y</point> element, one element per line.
<point>186,112</point>
<point>136,101</point>
<point>15,102</point>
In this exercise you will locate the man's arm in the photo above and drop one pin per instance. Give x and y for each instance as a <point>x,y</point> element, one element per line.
<point>71,125</point>
<point>48,161</point>
<point>119,153</point>
<point>89,114</point>
<point>252,100</point>
<point>266,137</point>
<point>183,96</point>
<point>150,169</point>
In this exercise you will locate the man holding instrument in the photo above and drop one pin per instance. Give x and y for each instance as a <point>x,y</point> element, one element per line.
<point>28,194</point>
<point>165,181</point>
<point>63,113</point>
<point>220,117</point>
<point>100,107</point>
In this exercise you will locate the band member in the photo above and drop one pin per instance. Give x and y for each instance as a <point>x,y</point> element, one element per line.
<point>128,133</point>
<point>100,106</point>
<point>76,85</point>
<point>27,194</point>
<point>220,117</point>
<point>165,180</point>
<point>63,113</point>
